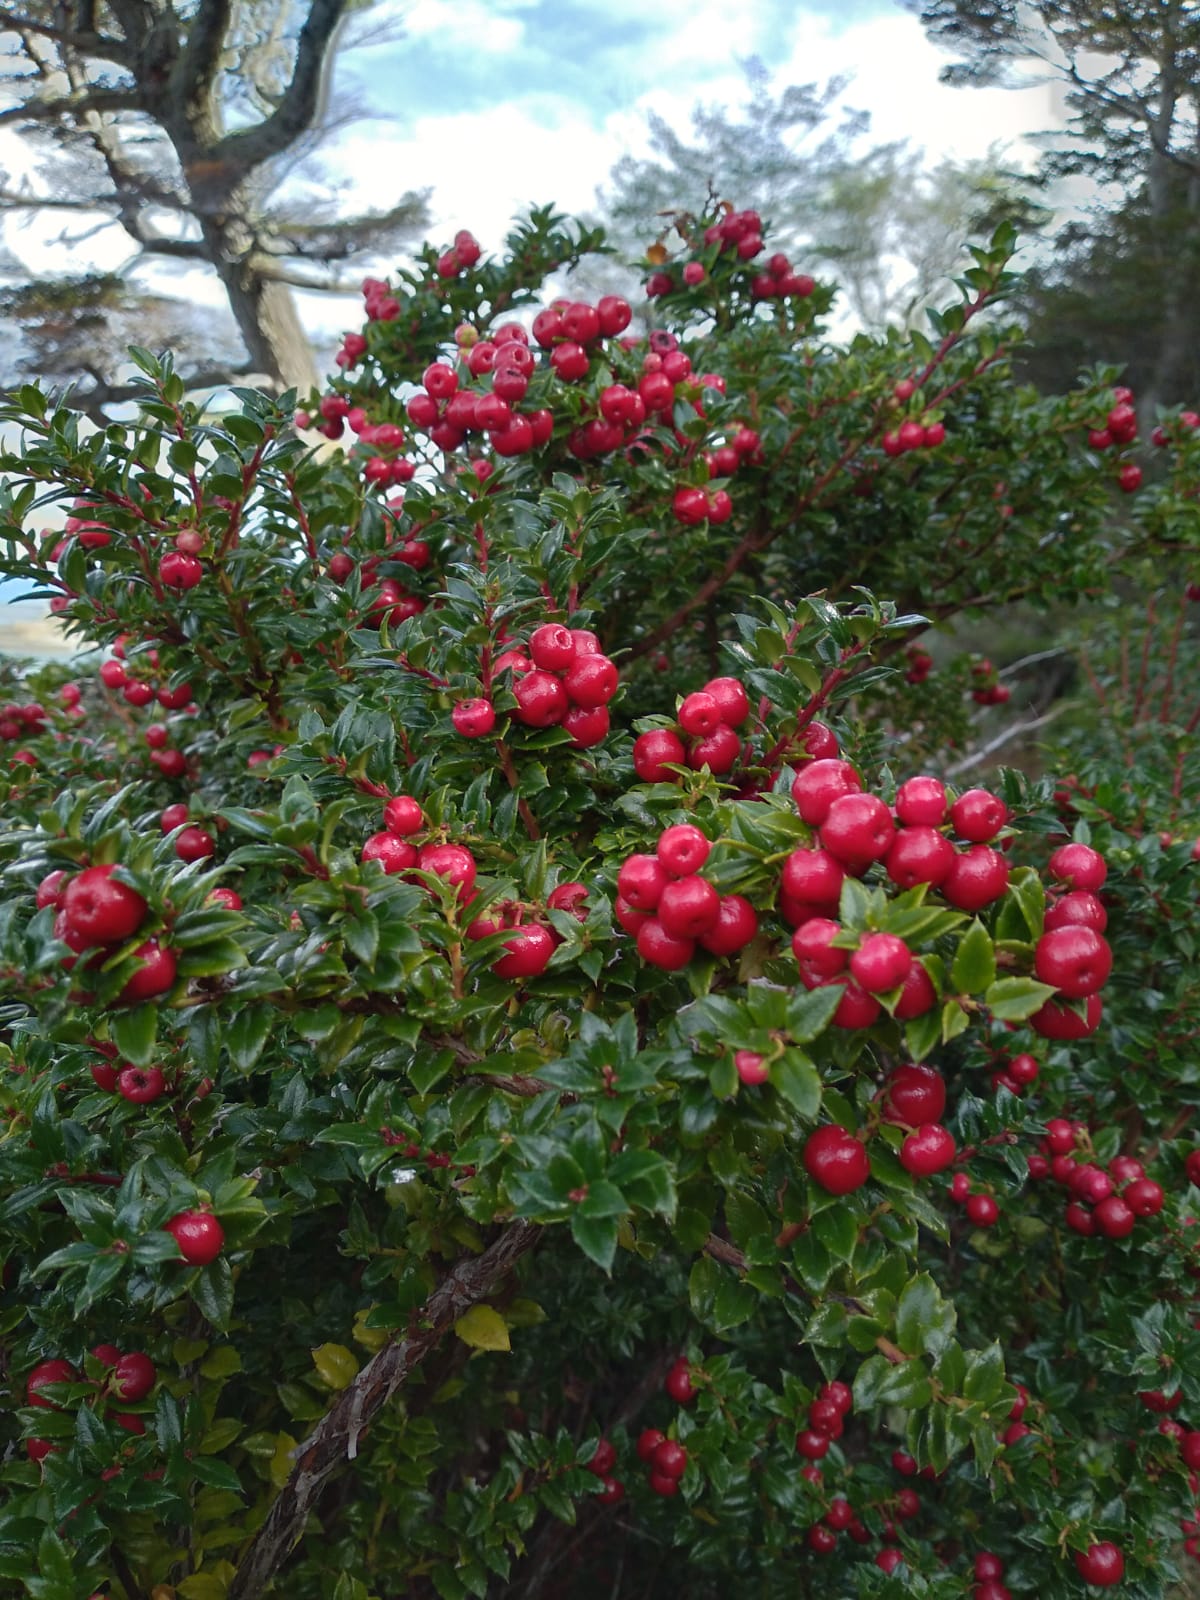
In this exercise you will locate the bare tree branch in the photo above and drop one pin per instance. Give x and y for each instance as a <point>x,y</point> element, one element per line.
<point>250,147</point>
<point>88,44</point>
<point>98,101</point>
<point>335,1438</point>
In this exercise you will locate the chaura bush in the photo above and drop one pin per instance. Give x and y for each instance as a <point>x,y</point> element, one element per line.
<point>521,1075</point>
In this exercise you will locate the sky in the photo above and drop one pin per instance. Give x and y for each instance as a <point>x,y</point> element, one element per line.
<point>498,104</point>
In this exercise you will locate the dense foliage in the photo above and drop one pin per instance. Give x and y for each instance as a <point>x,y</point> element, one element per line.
<point>518,1077</point>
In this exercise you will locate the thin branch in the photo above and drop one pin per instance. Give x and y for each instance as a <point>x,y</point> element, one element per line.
<point>88,44</point>
<point>335,1438</point>
<point>74,107</point>
<point>250,147</point>
<point>978,757</point>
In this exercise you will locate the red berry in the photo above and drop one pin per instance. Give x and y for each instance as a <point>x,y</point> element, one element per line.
<point>927,1150</point>
<point>474,719</point>
<point>1078,866</point>
<point>403,815</point>
<point>641,881</point>
<point>528,952</point>
<point>682,849</point>
<point>1101,1565</point>
<point>819,784</point>
<point>978,815</point>
<point>881,962</point>
<point>154,976</point>
<point>194,844</point>
<point>392,852</point>
<point>47,1372</point>
<point>591,680</point>
<point>670,1458</point>
<point>660,949</point>
<point>1144,1197</point>
<point>857,829</point>
<point>199,1235</point>
<point>982,1210</point>
<point>836,1160</point>
<point>678,1383</point>
<point>1074,959</point>
<point>814,877</point>
<point>977,878</point>
<point>750,1067</point>
<point>735,927</point>
<point>133,1377</point>
<point>453,862</point>
<point>552,647</point>
<point>604,1458</point>
<point>1055,1021</point>
<point>140,1085</point>
<point>1114,1218</point>
<point>732,699</point>
<point>718,752</point>
<point>920,854</point>
<point>700,714</point>
<point>653,751</point>
<point>99,909</point>
<point>648,1442</point>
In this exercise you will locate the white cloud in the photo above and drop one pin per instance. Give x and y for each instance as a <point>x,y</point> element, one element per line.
<point>475,25</point>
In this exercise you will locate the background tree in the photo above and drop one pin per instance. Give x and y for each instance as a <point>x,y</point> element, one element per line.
<point>1130,77</point>
<point>891,230</point>
<point>180,126</point>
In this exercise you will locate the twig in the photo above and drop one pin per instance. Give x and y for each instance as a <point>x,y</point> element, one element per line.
<point>977,757</point>
<point>335,1438</point>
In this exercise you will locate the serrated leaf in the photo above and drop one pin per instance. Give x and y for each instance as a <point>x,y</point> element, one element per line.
<point>974,966</point>
<point>135,1033</point>
<point>483,1328</point>
<point>798,1081</point>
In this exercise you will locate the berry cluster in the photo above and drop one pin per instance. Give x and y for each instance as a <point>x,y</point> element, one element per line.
<point>709,719</point>
<point>665,903</point>
<point>530,943</point>
<point>1099,1201</point>
<point>128,1379</point>
<point>987,690</point>
<point>561,678</point>
<point>913,435</point>
<point>96,911</point>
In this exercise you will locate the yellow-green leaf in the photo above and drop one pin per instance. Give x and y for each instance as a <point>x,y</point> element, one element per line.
<point>336,1366</point>
<point>370,1338</point>
<point>281,1461</point>
<point>483,1329</point>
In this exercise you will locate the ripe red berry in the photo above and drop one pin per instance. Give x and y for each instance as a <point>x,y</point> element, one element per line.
<point>927,1150</point>
<point>661,1484</point>
<point>392,852</point>
<point>819,784</point>
<point>403,815</point>
<point>199,1235</point>
<point>836,1160</point>
<point>194,844</point>
<point>1078,866</point>
<point>653,751</point>
<point>99,909</point>
<point>541,699</point>
<point>978,815</point>
<point>719,752</point>
<point>881,962</point>
<point>591,680</point>
<point>982,1210</point>
<point>817,956</point>
<point>821,1539</point>
<point>134,1375</point>
<point>750,1067</point>
<point>648,1442</point>
<point>919,854</point>
<point>1076,960</point>
<point>1062,1021</point>
<point>661,949</point>
<point>977,878</point>
<point>678,1383</point>
<point>528,952</point>
<point>682,849</point>
<point>812,1445</point>
<point>473,719</point>
<point>670,1458</point>
<point>1101,1565</point>
<point>857,829</point>
<point>736,925</point>
<point>732,699</point>
<point>700,714</point>
<point>140,1085</point>
<point>1114,1218</point>
<point>155,973</point>
<point>814,877</point>
<point>453,862</point>
<point>1144,1197</point>
<point>48,1372</point>
<point>641,881</point>
<point>1077,906</point>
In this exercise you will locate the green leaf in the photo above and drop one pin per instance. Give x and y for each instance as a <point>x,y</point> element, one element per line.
<point>954,1021</point>
<point>924,1321</point>
<point>798,1081</point>
<point>596,1237</point>
<point>923,1034</point>
<point>213,1293</point>
<point>974,965</point>
<point>135,1033</point>
<point>246,1035</point>
<point>809,1012</point>
<point>216,1474</point>
<point>1016,999</point>
<point>984,1379</point>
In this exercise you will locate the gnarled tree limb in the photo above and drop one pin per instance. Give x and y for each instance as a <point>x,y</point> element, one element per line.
<point>334,1439</point>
